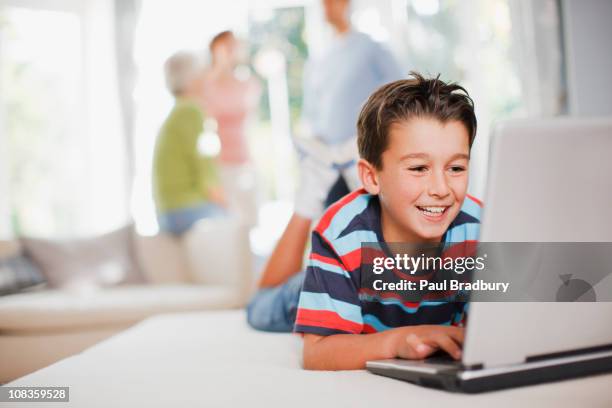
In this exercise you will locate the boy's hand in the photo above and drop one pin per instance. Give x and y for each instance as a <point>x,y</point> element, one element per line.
<point>419,342</point>
<point>353,351</point>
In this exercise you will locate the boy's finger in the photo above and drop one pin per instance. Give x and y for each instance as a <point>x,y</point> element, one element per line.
<point>448,344</point>
<point>457,333</point>
<point>416,349</point>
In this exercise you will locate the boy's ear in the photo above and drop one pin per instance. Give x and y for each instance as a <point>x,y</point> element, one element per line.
<point>368,176</point>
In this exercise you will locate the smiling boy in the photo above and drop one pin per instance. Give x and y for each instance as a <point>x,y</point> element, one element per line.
<point>414,139</point>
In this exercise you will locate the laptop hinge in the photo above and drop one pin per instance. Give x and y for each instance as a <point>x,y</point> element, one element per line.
<point>500,359</point>
<point>503,360</point>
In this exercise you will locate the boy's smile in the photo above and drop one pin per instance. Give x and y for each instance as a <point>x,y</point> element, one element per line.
<point>423,180</point>
<point>433,213</point>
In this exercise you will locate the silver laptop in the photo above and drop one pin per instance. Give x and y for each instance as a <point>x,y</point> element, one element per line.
<point>549,181</point>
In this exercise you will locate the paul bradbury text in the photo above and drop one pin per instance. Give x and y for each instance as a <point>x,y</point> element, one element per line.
<point>446,285</point>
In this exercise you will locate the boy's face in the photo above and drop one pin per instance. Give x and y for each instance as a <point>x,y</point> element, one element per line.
<point>423,180</point>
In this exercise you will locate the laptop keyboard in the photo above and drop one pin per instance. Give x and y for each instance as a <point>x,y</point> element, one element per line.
<point>443,359</point>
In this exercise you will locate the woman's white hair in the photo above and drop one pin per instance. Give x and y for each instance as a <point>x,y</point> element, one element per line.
<point>180,69</point>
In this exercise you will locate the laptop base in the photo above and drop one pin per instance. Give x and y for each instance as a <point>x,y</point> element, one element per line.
<point>454,378</point>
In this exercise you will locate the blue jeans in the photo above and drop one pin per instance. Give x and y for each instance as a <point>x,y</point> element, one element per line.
<point>179,221</point>
<point>274,309</point>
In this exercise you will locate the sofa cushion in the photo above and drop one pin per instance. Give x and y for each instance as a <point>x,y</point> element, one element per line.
<point>62,309</point>
<point>17,272</point>
<point>162,259</point>
<point>105,260</point>
<point>218,252</point>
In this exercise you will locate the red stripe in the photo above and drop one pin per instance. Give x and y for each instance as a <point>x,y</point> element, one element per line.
<point>326,319</point>
<point>467,248</point>
<point>334,208</point>
<point>325,259</point>
<point>332,248</point>
<point>477,201</point>
<point>352,260</point>
<point>367,329</point>
<point>369,253</point>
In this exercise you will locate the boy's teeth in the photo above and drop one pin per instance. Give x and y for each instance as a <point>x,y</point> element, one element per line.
<point>434,210</point>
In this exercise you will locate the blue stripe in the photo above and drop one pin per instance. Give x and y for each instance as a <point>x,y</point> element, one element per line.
<point>324,302</point>
<point>463,232</point>
<point>350,242</point>
<point>345,215</point>
<point>471,207</point>
<point>457,318</point>
<point>315,263</point>
<point>375,323</point>
<point>461,314</point>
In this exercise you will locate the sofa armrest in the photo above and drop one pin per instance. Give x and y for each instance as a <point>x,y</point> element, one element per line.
<point>218,252</point>
<point>162,259</point>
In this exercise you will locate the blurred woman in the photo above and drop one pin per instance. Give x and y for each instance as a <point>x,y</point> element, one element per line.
<point>185,184</point>
<point>230,99</point>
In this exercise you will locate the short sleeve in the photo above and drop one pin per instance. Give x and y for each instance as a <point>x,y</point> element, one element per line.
<point>329,301</point>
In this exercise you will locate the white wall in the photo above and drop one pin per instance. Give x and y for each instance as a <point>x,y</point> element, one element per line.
<point>588,50</point>
<point>5,213</point>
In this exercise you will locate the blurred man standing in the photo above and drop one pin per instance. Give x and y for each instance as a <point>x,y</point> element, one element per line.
<point>185,185</point>
<point>335,86</point>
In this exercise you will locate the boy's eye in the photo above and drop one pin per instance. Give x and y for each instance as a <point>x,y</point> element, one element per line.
<point>418,169</point>
<point>457,169</point>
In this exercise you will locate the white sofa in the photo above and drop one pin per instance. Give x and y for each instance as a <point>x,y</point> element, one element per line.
<point>213,359</point>
<point>209,268</point>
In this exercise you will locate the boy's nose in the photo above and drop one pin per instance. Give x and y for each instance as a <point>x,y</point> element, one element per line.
<point>438,185</point>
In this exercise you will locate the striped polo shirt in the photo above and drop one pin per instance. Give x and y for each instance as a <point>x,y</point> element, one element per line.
<point>332,302</point>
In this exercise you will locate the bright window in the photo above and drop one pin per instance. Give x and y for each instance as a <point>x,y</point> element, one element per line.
<point>41,80</point>
<point>470,43</point>
<point>64,168</point>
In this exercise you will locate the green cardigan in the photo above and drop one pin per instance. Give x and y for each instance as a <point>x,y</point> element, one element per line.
<point>181,177</point>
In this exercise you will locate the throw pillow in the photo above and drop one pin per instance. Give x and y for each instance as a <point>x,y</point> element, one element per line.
<point>106,260</point>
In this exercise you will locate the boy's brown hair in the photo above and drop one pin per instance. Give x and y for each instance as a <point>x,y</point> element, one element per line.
<point>406,99</point>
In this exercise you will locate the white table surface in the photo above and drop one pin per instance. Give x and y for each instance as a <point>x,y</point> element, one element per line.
<point>212,359</point>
